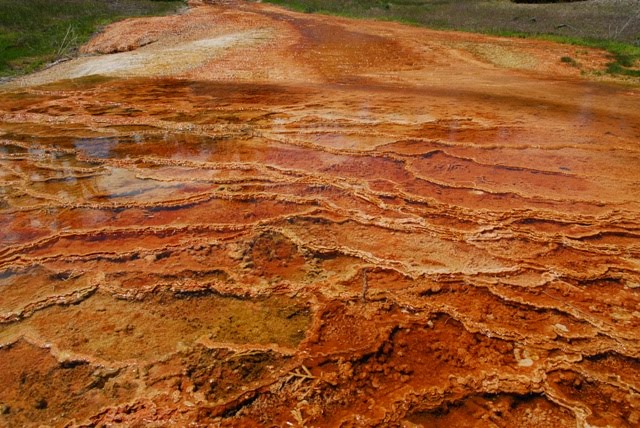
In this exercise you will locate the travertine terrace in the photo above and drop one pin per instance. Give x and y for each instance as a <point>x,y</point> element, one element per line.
<point>244,216</point>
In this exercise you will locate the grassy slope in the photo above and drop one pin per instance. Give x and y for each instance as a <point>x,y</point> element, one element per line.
<point>35,32</point>
<point>613,25</point>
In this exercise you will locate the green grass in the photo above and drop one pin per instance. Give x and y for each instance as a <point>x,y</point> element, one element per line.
<point>613,26</point>
<point>36,32</point>
<point>624,56</point>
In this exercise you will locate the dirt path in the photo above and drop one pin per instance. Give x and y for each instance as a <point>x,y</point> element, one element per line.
<point>245,216</point>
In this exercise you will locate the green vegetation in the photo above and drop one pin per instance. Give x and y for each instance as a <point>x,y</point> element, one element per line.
<point>610,25</point>
<point>625,56</point>
<point>36,32</point>
<point>569,60</point>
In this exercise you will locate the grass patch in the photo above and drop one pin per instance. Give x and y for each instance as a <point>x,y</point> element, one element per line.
<point>624,56</point>
<point>610,25</point>
<point>36,32</point>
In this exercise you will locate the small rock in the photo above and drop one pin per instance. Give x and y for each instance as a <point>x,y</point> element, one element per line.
<point>41,404</point>
<point>561,327</point>
<point>525,362</point>
<point>375,383</point>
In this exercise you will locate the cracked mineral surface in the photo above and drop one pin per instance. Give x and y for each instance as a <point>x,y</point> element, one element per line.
<point>245,216</point>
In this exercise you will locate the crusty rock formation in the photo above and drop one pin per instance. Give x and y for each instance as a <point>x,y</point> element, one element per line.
<point>271,218</point>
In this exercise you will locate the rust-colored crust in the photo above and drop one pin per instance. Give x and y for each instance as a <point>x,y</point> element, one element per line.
<point>255,217</point>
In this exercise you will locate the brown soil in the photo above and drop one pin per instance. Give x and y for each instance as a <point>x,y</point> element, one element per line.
<point>254,217</point>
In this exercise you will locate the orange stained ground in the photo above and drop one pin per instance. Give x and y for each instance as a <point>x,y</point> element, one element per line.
<point>245,216</point>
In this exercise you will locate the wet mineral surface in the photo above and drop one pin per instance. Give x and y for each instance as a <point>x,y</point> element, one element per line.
<point>245,216</point>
